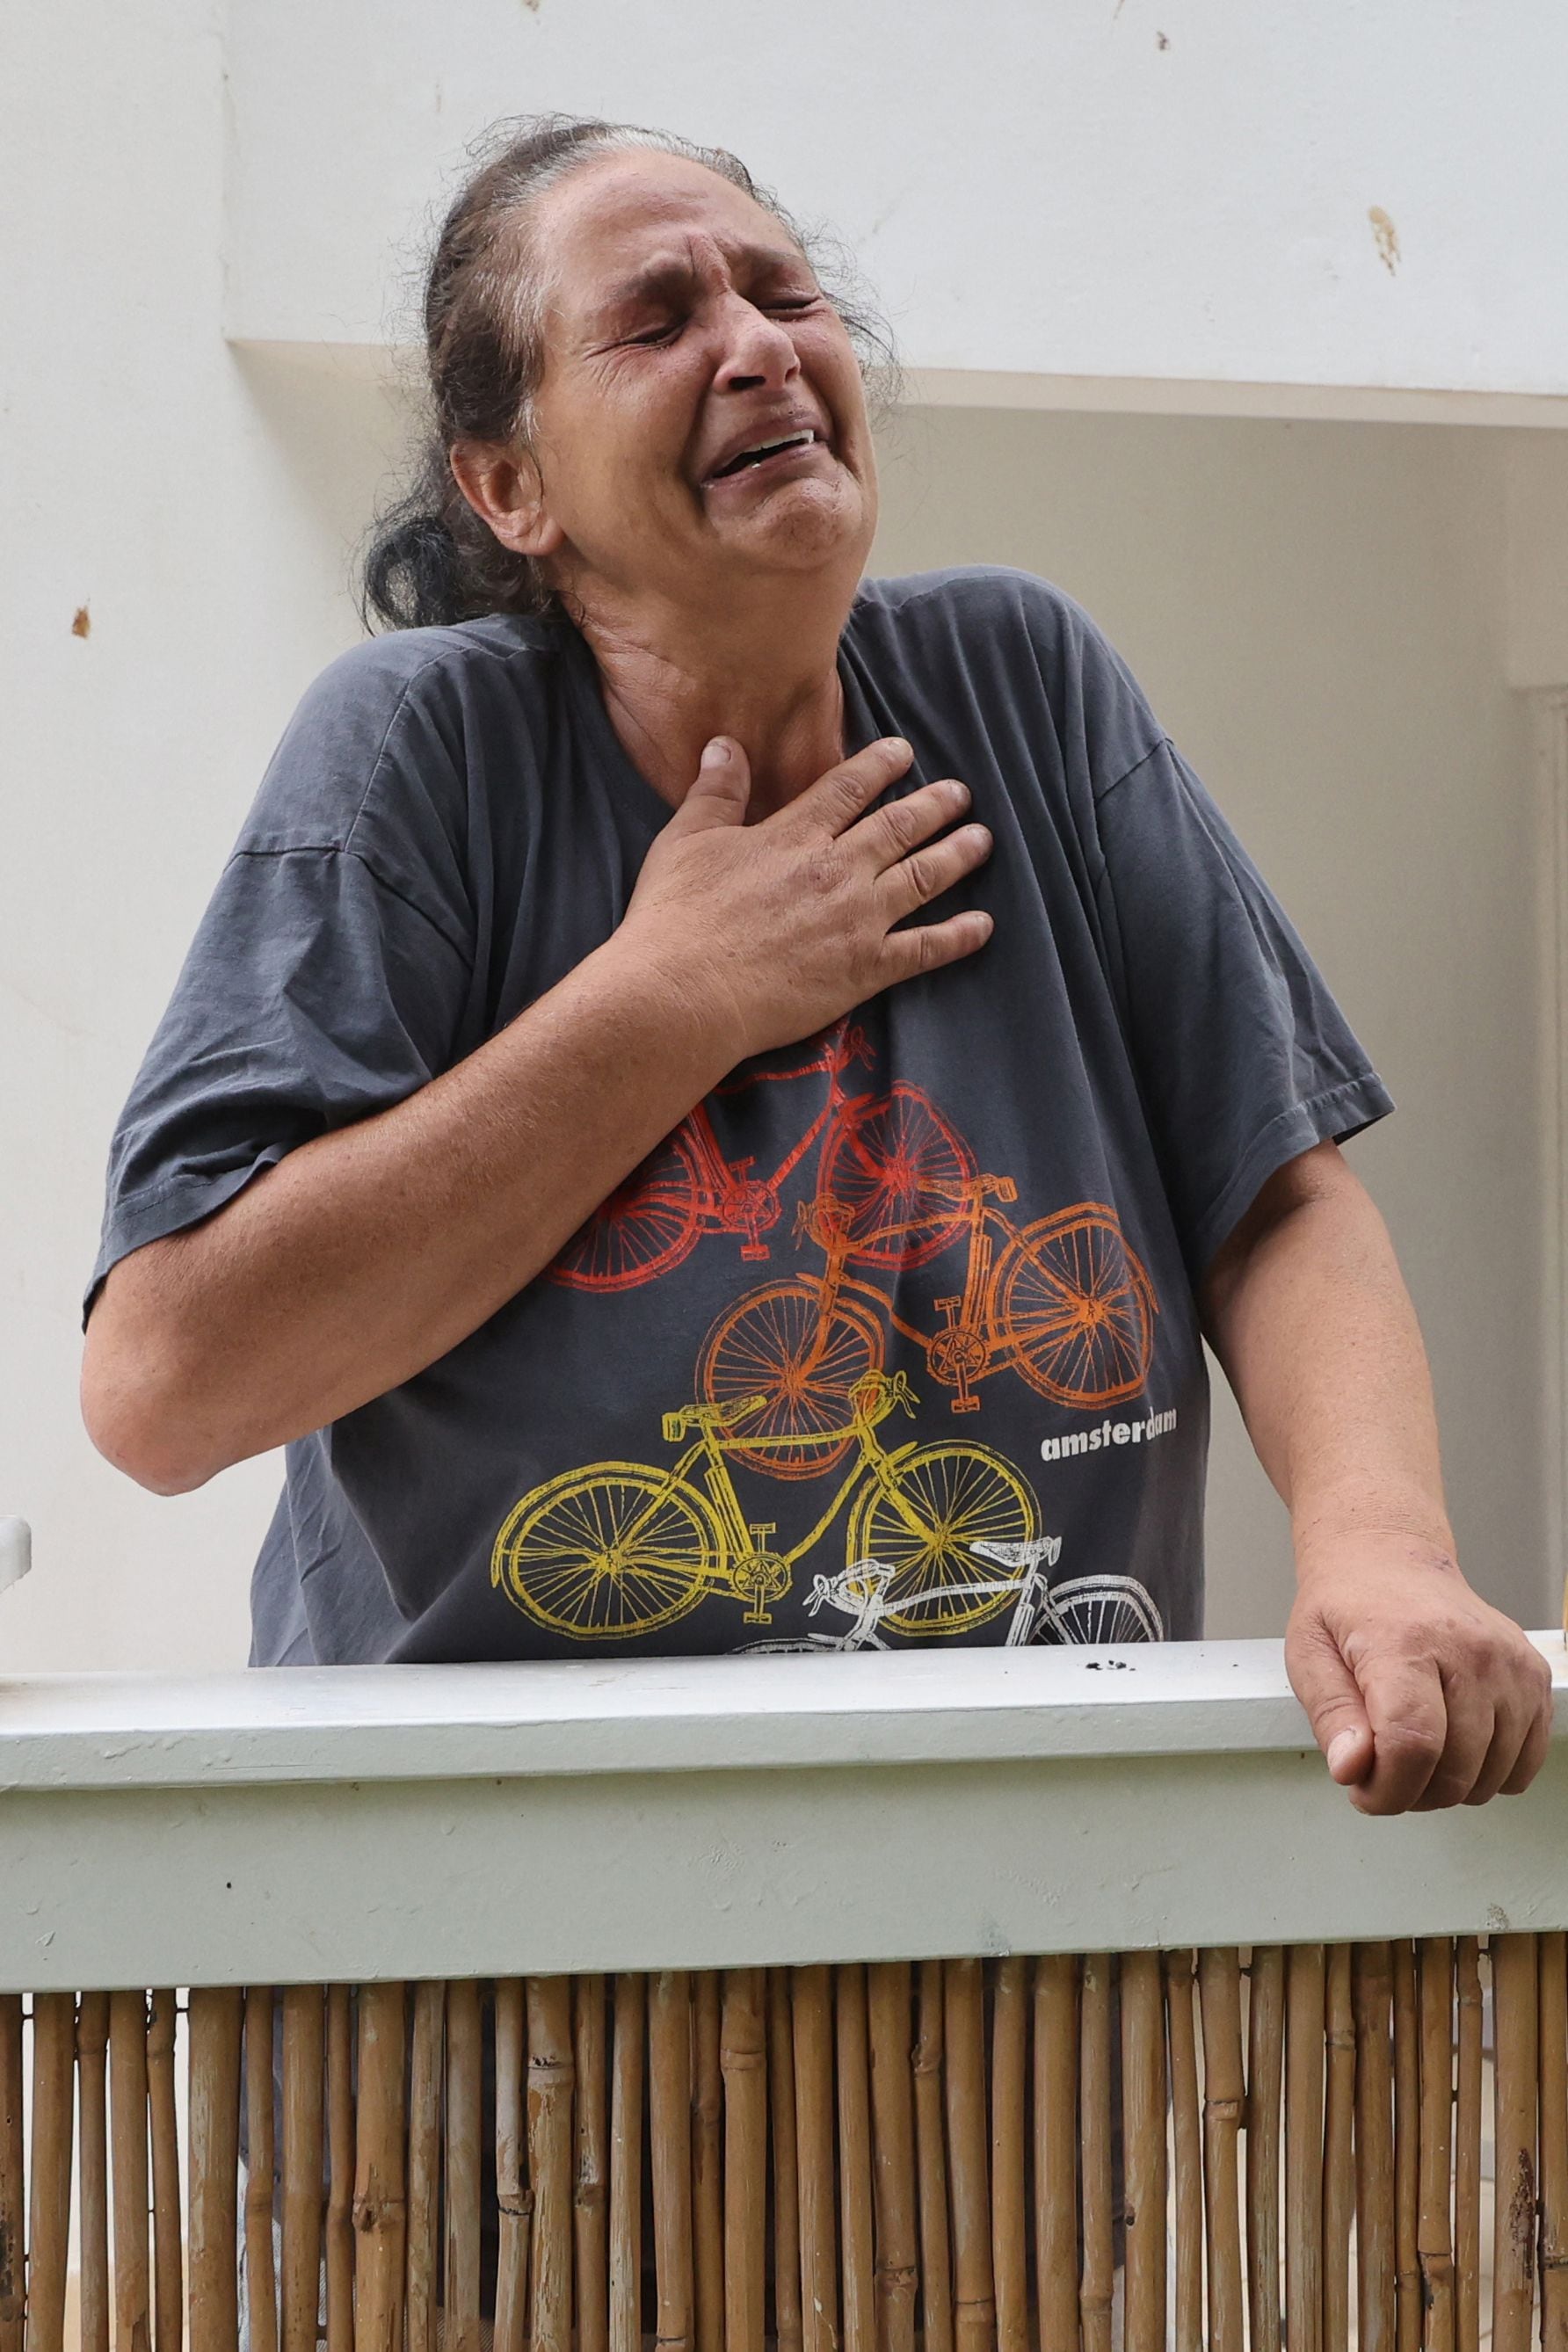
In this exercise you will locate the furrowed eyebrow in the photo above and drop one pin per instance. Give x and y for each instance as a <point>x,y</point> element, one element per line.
<point>667,279</point>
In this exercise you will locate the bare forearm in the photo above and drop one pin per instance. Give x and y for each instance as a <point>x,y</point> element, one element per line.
<point>1314,1323</point>
<point>1420,1693</point>
<point>364,1255</point>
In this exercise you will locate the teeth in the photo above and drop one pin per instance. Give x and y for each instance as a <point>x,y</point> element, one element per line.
<point>754,456</point>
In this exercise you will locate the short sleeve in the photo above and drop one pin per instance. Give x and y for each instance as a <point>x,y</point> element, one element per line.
<point>1244,1058</point>
<point>329,974</point>
<point>312,996</point>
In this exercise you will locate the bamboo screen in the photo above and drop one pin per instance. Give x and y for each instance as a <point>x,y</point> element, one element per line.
<point>1283,2147</point>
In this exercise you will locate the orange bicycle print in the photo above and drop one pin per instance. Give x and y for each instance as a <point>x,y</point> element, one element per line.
<point>618,1549</point>
<point>1064,1302</point>
<point>891,1160</point>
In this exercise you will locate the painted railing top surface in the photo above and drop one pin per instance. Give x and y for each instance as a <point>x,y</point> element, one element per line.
<point>316,1725</point>
<point>489,1820</point>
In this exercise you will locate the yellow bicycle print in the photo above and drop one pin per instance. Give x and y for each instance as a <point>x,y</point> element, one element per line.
<point>619,1550</point>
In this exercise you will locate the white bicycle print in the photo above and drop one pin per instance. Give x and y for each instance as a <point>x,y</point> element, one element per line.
<point>1083,1611</point>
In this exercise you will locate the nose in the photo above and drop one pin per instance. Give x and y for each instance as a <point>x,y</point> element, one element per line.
<point>758,353</point>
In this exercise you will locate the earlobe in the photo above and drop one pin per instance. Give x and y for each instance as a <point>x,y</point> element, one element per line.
<point>506,490</point>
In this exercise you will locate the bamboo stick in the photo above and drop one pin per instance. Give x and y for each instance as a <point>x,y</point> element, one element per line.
<point>1055,2149</point>
<point>1553,2072</point>
<point>590,2207</point>
<point>931,2157</point>
<point>461,2280</point>
<point>707,2163</point>
<point>1264,2081</point>
<point>787,2322</point>
<point>13,2178</point>
<point>92,2174</point>
<point>1009,2238</point>
<point>54,2050</point>
<point>1224,2105</point>
<point>304,2056</point>
<point>550,2080</point>
<point>260,2257</point>
<point>1304,2147</point>
<point>814,2126</point>
<point>380,2214</point>
<point>214,2026</point>
<point>743,2061</point>
<point>1515,2026</point>
<point>514,2197</point>
<point>1144,2107</point>
<point>1467,2147</point>
<point>669,2125</point>
<point>425,2166</point>
<point>168,2249</point>
<point>1339,2148</point>
<point>1187,2146</point>
<point>973,2292</point>
<point>128,2141</point>
<point>1372,1995</point>
<point>340,2170</point>
<point>1434,2243</point>
<point>853,2071</point>
<point>1407,2150</point>
<point>1098,2279</point>
<point>889,1998</point>
<point>625,2171</point>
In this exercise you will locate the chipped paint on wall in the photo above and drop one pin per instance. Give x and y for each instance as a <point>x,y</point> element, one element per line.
<point>1387,237</point>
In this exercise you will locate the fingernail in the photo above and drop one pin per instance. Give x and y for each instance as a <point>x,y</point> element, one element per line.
<point>715,754</point>
<point>1342,1746</point>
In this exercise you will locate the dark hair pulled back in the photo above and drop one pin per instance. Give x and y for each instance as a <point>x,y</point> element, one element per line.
<point>431,559</point>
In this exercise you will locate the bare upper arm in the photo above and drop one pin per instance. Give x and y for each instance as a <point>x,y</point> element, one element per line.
<point>1321,1174</point>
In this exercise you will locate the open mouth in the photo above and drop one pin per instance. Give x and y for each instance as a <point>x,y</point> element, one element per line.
<point>763,453</point>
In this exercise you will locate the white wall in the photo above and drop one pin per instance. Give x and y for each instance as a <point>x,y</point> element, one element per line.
<point>144,478</point>
<point>1317,610</point>
<point>1106,188</point>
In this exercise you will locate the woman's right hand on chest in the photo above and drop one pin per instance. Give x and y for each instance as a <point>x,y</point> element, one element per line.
<point>773,931</point>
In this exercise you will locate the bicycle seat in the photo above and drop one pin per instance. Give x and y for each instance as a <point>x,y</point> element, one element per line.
<point>708,1416</point>
<point>1035,1551</point>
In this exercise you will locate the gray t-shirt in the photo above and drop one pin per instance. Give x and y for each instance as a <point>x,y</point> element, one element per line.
<point>893,1341</point>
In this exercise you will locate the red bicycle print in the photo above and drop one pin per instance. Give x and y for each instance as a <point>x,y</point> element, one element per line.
<point>1064,1302</point>
<point>891,1160</point>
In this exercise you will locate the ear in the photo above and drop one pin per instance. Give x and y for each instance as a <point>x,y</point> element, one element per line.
<point>503,485</point>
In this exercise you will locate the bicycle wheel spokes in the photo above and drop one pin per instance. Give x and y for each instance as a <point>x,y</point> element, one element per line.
<point>1075,1309</point>
<point>606,1553</point>
<point>648,1224</point>
<point>899,1177</point>
<point>1094,1608</point>
<point>805,1357</point>
<point>924,1517</point>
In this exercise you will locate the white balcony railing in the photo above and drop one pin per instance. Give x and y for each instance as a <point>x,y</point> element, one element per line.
<point>555,1940</point>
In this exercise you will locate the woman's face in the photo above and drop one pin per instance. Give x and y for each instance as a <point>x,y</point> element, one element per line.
<point>684,332</point>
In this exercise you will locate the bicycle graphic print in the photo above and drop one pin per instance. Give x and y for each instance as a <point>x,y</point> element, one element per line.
<point>688,1187</point>
<point>1082,1610</point>
<point>1062,1301</point>
<point>619,1550</point>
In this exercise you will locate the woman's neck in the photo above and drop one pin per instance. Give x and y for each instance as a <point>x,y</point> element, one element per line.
<point>671,684</point>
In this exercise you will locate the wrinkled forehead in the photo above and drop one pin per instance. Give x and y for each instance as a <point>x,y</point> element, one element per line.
<point>646,218</point>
